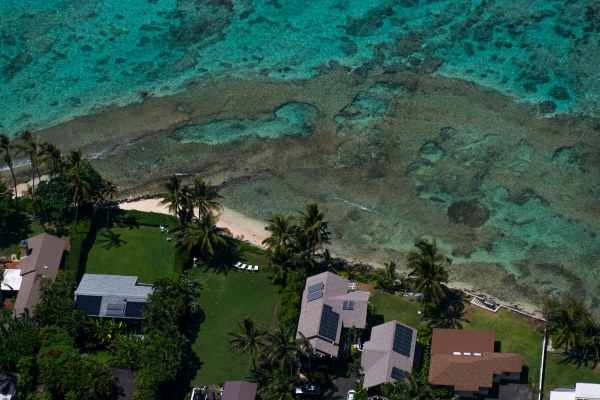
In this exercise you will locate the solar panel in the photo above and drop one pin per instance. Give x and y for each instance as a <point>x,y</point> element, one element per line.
<point>397,373</point>
<point>403,340</point>
<point>89,304</point>
<point>315,295</point>
<point>114,313</point>
<point>329,323</point>
<point>314,288</point>
<point>134,309</point>
<point>348,305</point>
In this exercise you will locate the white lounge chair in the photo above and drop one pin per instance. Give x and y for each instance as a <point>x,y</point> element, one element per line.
<point>237,265</point>
<point>255,269</point>
<point>243,267</point>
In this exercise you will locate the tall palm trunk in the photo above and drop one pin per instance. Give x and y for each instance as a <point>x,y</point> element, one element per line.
<point>16,194</point>
<point>33,190</point>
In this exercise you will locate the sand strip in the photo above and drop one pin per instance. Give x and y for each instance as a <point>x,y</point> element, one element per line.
<point>242,227</point>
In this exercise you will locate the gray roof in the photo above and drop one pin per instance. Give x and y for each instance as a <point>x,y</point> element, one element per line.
<point>114,289</point>
<point>335,292</point>
<point>239,390</point>
<point>378,357</point>
<point>44,257</point>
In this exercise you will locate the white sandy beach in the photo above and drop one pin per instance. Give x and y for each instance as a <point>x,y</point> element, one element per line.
<point>242,227</point>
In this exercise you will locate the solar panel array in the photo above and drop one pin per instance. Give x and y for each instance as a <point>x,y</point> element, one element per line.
<point>134,309</point>
<point>402,340</point>
<point>348,305</point>
<point>329,323</point>
<point>89,304</point>
<point>315,295</point>
<point>397,373</point>
<point>314,288</point>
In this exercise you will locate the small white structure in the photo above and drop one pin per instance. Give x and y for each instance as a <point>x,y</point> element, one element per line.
<point>582,391</point>
<point>12,279</point>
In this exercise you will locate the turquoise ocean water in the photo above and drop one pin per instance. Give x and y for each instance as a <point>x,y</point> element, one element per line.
<point>513,200</point>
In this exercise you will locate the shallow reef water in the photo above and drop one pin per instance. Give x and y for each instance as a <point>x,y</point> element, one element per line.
<point>473,121</point>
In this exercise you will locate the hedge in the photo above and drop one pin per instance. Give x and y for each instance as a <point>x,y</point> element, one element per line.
<point>77,242</point>
<point>129,217</point>
<point>251,249</point>
<point>182,258</point>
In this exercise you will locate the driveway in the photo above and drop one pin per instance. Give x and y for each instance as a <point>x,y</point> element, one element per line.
<point>512,391</point>
<point>340,390</point>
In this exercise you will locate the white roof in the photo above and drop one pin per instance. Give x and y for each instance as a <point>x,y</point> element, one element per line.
<point>584,391</point>
<point>587,391</point>
<point>12,279</point>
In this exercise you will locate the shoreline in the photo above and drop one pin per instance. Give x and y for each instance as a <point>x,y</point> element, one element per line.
<point>250,230</point>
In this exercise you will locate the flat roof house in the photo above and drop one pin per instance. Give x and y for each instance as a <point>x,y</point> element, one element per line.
<point>327,307</point>
<point>390,353</point>
<point>116,296</point>
<point>465,361</point>
<point>40,255</point>
<point>582,391</point>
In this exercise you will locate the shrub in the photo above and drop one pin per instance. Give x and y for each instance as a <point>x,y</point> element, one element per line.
<point>128,217</point>
<point>291,298</point>
<point>251,249</point>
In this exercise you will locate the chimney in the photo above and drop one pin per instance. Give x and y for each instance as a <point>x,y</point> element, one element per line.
<point>24,248</point>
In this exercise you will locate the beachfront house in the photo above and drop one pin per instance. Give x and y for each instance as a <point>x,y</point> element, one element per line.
<point>239,390</point>
<point>465,362</point>
<point>391,351</point>
<point>581,391</point>
<point>115,296</point>
<point>330,308</point>
<point>41,255</point>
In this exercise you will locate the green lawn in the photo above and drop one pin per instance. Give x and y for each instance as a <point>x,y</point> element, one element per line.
<point>139,251</point>
<point>9,243</point>
<point>564,372</point>
<point>227,297</point>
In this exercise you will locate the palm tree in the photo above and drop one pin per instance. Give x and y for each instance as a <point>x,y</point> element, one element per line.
<point>416,386</point>
<point>314,226</point>
<point>283,346</point>
<point>428,277</point>
<point>6,160</point>
<point>567,331</point>
<point>205,233</point>
<point>360,392</point>
<point>204,197</point>
<point>79,186</point>
<point>428,250</point>
<point>347,272</point>
<point>451,317</point>
<point>279,262</point>
<point>283,232</point>
<point>31,148</point>
<point>248,339</point>
<point>278,386</point>
<point>53,159</point>
<point>109,192</point>
<point>174,197</point>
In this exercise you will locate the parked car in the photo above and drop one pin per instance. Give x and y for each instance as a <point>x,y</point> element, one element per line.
<point>351,394</point>
<point>308,390</point>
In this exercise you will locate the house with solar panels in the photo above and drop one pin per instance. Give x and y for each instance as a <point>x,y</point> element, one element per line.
<point>330,307</point>
<point>115,296</point>
<point>391,351</point>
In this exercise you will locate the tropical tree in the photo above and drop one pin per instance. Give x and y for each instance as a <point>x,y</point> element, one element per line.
<point>78,186</point>
<point>204,233</point>
<point>126,351</point>
<point>174,197</point>
<point>279,263</point>
<point>360,392</point>
<point>277,386</point>
<point>428,278</point>
<point>428,250</point>
<point>450,316</point>
<point>249,339</point>
<point>108,193</point>
<point>6,161</point>
<point>416,387</point>
<point>203,196</point>
<point>31,148</point>
<point>283,232</point>
<point>313,224</point>
<point>347,272</point>
<point>568,320</point>
<point>53,159</point>
<point>282,347</point>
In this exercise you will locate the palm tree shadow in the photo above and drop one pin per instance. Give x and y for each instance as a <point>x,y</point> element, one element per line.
<point>111,240</point>
<point>223,260</point>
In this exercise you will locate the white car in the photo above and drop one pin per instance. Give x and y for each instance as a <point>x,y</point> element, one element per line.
<point>351,394</point>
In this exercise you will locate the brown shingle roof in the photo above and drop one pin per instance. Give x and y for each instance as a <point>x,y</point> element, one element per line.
<point>447,341</point>
<point>45,251</point>
<point>335,292</point>
<point>378,357</point>
<point>468,372</point>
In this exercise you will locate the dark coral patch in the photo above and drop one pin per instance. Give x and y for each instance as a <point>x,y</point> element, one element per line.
<point>469,213</point>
